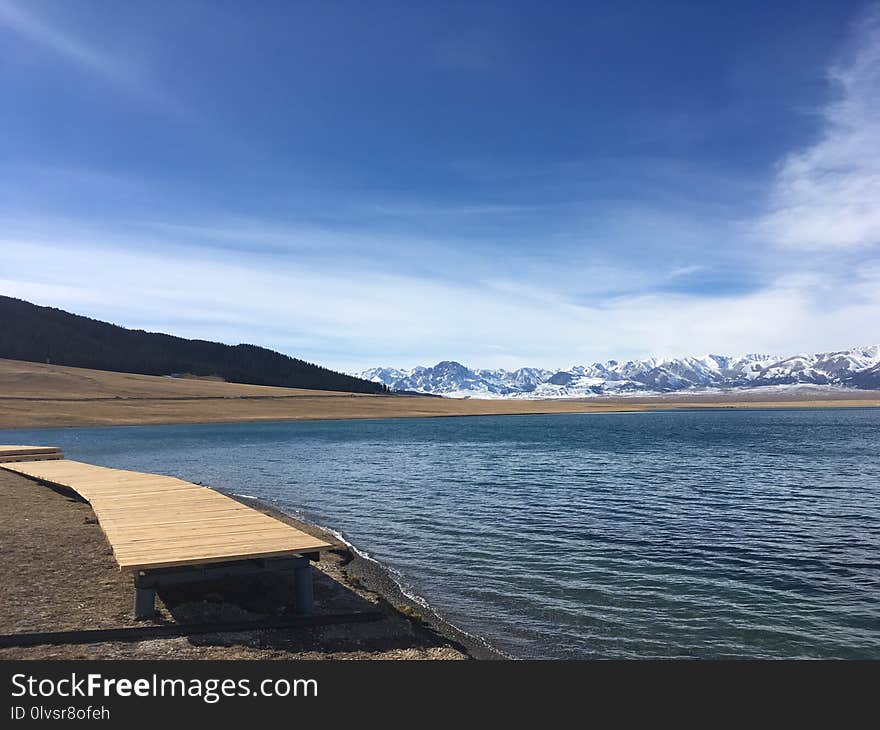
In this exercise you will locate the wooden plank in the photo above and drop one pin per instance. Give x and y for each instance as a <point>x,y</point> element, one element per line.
<point>141,490</point>
<point>121,521</point>
<point>199,522</point>
<point>167,500</point>
<point>30,457</point>
<point>184,543</point>
<point>9,453</point>
<point>182,494</point>
<point>209,558</point>
<point>123,512</point>
<point>177,532</point>
<point>252,540</point>
<point>214,522</point>
<point>18,450</point>
<point>195,522</point>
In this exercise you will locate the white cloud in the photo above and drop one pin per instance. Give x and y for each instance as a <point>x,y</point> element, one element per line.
<point>355,318</point>
<point>113,67</point>
<point>828,196</point>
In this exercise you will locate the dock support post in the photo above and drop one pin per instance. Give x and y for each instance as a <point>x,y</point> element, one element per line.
<point>305,597</point>
<point>144,598</point>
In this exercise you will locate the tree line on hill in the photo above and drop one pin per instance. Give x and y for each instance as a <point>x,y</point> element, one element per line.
<point>45,334</point>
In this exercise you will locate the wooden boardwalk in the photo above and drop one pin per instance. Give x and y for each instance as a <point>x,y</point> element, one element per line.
<point>28,453</point>
<point>168,531</point>
<point>154,521</point>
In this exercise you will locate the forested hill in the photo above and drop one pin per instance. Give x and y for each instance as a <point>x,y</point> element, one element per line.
<point>41,334</point>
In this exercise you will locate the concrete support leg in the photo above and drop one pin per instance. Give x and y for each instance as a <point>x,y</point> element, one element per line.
<point>144,601</point>
<point>305,597</point>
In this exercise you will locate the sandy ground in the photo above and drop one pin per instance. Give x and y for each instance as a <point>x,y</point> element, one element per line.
<point>34,395</point>
<point>58,574</point>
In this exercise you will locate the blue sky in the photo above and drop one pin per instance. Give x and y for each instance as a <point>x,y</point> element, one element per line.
<point>503,184</point>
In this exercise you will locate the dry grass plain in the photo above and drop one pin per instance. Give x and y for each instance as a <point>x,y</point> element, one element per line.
<point>34,395</point>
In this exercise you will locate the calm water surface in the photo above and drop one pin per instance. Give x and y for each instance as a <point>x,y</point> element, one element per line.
<point>699,534</point>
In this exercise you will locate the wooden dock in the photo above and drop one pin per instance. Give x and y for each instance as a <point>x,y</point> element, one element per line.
<point>158,525</point>
<point>28,453</point>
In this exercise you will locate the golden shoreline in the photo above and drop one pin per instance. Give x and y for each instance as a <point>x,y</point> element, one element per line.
<point>36,395</point>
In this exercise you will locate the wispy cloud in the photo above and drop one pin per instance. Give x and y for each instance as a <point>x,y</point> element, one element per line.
<point>351,317</point>
<point>111,67</point>
<point>826,197</point>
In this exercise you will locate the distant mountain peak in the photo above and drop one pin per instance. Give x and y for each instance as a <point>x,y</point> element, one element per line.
<point>858,367</point>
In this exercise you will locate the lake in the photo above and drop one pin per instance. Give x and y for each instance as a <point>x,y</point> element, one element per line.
<point>666,534</point>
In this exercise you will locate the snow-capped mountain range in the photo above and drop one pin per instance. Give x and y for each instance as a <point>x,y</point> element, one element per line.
<point>858,367</point>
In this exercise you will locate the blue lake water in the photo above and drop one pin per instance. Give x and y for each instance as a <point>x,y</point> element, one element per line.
<point>674,534</point>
